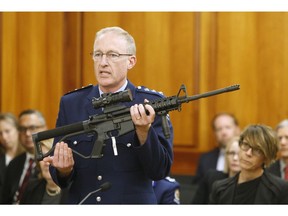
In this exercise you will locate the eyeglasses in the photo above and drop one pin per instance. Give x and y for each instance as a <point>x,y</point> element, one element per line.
<point>232,153</point>
<point>110,56</point>
<point>32,128</point>
<point>246,146</point>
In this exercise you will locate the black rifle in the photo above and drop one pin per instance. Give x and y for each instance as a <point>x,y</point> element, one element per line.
<point>116,119</point>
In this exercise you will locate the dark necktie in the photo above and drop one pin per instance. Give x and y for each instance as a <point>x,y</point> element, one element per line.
<point>286,173</point>
<point>25,180</point>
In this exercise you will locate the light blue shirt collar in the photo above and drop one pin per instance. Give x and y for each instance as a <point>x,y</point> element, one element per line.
<point>121,89</point>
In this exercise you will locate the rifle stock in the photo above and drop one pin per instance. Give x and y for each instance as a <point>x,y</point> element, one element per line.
<point>117,117</point>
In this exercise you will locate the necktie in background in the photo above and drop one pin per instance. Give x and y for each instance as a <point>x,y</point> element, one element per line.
<point>286,173</point>
<point>25,180</point>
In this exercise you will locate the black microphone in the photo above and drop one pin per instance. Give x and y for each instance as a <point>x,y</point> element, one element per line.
<point>105,186</point>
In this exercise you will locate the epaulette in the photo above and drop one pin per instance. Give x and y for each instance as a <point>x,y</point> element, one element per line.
<point>147,90</point>
<point>79,89</point>
<point>170,179</point>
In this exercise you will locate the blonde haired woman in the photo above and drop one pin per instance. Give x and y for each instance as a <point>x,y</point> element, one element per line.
<point>9,137</point>
<point>9,143</point>
<point>231,168</point>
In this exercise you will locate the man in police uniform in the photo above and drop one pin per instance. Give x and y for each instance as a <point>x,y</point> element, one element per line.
<point>130,162</point>
<point>167,191</point>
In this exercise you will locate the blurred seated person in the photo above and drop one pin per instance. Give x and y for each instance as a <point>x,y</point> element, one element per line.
<point>23,167</point>
<point>225,127</point>
<point>253,184</point>
<point>43,190</point>
<point>232,167</point>
<point>280,167</point>
<point>167,191</point>
<point>9,143</point>
<point>9,137</point>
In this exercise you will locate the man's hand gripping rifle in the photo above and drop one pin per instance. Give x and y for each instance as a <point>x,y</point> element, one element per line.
<point>116,119</point>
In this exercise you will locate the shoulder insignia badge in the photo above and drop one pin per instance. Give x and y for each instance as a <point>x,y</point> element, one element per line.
<point>177,196</point>
<point>147,90</point>
<point>170,179</point>
<point>79,89</point>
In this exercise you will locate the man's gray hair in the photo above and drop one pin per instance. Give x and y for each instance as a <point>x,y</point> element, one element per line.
<point>33,111</point>
<point>282,124</point>
<point>131,47</point>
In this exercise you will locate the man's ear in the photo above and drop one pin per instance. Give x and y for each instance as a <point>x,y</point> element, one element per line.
<point>132,62</point>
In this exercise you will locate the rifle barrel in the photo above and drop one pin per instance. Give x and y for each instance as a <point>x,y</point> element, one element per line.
<point>214,92</point>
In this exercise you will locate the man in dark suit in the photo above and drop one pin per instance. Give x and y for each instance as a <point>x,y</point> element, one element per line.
<point>225,127</point>
<point>279,166</point>
<point>129,162</point>
<point>30,121</point>
<point>43,190</point>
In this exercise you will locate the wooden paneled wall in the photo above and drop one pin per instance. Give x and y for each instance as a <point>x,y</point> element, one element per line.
<point>44,55</point>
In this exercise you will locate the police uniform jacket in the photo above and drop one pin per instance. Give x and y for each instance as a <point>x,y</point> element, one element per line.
<point>271,190</point>
<point>131,172</point>
<point>167,191</point>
